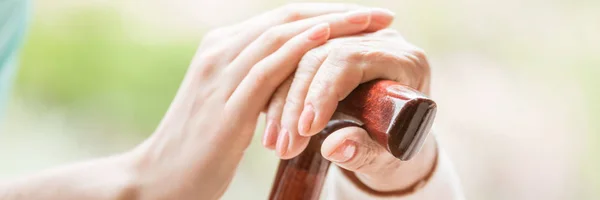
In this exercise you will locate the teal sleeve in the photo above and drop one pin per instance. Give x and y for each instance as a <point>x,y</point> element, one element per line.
<point>13,20</point>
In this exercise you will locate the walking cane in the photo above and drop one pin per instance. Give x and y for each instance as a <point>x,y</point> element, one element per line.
<point>397,117</point>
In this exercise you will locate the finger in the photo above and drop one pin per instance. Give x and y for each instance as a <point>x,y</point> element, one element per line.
<point>295,12</point>
<point>252,28</point>
<point>299,11</point>
<point>351,148</point>
<point>380,19</point>
<point>343,70</point>
<point>265,76</point>
<point>337,71</point>
<point>294,101</point>
<point>340,23</point>
<point>274,110</point>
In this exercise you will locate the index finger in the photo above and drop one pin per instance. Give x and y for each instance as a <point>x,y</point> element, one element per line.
<point>252,28</point>
<point>347,67</point>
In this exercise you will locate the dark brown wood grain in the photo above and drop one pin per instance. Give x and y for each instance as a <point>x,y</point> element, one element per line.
<point>397,117</point>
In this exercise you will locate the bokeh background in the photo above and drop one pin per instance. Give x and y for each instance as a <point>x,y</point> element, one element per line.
<point>516,82</point>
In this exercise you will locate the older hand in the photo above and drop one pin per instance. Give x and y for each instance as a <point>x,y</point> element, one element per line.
<point>303,105</point>
<point>196,148</point>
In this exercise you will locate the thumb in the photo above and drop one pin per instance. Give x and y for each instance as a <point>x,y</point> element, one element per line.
<point>351,148</point>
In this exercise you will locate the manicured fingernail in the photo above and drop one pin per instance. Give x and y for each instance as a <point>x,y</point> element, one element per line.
<point>282,142</point>
<point>382,11</point>
<point>358,17</point>
<point>318,32</point>
<point>381,17</point>
<point>270,136</point>
<point>306,120</point>
<point>344,152</point>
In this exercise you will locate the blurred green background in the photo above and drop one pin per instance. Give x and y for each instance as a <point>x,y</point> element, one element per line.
<point>516,81</point>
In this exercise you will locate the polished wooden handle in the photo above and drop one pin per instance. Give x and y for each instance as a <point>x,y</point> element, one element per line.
<point>397,117</point>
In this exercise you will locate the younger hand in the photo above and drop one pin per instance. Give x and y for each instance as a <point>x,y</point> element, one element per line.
<point>196,148</point>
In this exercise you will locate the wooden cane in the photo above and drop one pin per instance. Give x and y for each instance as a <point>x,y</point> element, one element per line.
<point>397,117</point>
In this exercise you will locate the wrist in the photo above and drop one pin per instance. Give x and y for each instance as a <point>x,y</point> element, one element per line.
<point>165,169</point>
<point>421,166</point>
<point>418,170</point>
<point>408,176</point>
<point>123,177</point>
<point>151,178</point>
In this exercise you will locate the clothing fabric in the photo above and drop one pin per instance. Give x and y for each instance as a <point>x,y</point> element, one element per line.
<point>443,184</point>
<point>13,19</point>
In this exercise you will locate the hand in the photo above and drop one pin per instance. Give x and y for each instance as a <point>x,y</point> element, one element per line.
<point>303,105</point>
<point>196,148</point>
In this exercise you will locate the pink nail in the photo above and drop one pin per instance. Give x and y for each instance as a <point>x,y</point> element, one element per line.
<point>381,17</point>
<point>282,142</point>
<point>306,119</point>
<point>270,135</point>
<point>343,152</point>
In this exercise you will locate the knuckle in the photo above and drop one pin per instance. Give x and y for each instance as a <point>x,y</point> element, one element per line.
<point>366,160</point>
<point>277,101</point>
<point>211,56</point>
<point>303,75</point>
<point>203,66</point>
<point>274,36</point>
<point>276,104</point>
<point>274,110</point>
<point>319,87</point>
<point>418,59</point>
<point>261,78</point>
<point>391,164</point>
<point>292,101</point>
<point>203,69</point>
<point>347,53</point>
<point>278,98</point>
<point>311,60</point>
<point>324,92</point>
<point>205,72</point>
<point>378,55</point>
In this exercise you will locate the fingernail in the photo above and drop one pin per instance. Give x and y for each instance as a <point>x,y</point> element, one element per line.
<point>282,142</point>
<point>306,120</point>
<point>319,31</point>
<point>358,17</point>
<point>270,136</point>
<point>344,152</point>
<point>382,11</point>
<point>382,17</point>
